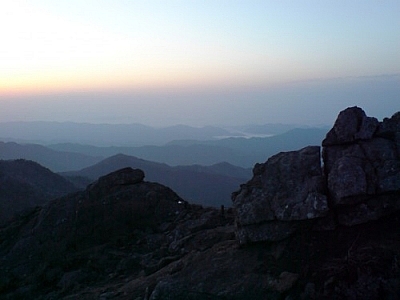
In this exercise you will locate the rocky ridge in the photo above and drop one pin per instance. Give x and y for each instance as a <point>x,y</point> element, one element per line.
<point>285,238</point>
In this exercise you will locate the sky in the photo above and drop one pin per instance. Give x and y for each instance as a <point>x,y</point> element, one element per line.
<point>198,63</point>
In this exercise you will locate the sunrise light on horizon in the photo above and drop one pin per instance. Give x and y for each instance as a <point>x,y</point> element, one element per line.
<point>187,47</point>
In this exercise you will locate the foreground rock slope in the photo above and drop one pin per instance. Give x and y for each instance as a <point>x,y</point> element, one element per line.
<point>289,235</point>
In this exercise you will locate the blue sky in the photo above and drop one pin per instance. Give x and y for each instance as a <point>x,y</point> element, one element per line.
<point>197,62</point>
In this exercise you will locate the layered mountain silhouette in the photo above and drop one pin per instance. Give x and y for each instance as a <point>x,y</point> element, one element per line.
<point>57,161</point>
<point>103,134</point>
<point>206,185</point>
<point>238,151</point>
<point>125,134</point>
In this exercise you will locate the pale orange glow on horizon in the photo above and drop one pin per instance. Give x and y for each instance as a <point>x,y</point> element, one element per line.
<point>47,53</point>
<point>119,79</point>
<point>194,62</point>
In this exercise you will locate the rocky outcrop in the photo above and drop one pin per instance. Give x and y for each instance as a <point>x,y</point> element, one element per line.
<point>120,226</point>
<point>109,210</point>
<point>362,166</point>
<point>286,190</point>
<point>358,182</point>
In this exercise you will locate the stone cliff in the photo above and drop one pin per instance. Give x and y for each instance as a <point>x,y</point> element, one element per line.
<point>299,229</point>
<point>358,181</point>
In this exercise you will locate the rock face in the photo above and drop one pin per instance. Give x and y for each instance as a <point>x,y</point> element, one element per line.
<point>362,166</point>
<point>360,181</point>
<point>285,190</point>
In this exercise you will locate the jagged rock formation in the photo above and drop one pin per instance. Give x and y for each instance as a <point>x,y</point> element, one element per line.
<point>358,182</point>
<point>362,166</point>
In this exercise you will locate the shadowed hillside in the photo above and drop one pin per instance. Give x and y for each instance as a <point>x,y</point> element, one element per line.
<point>25,184</point>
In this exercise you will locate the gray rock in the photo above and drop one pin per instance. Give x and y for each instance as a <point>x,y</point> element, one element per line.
<point>71,279</point>
<point>271,231</point>
<point>370,209</point>
<point>288,187</point>
<point>389,126</point>
<point>361,181</point>
<point>351,125</point>
<point>346,179</point>
<point>362,166</point>
<point>284,282</point>
<point>367,128</point>
<point>125,176</point>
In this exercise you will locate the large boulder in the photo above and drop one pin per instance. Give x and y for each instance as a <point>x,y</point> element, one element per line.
<point>351,125</point>
<point>362,166</point>
<point>285,190</point>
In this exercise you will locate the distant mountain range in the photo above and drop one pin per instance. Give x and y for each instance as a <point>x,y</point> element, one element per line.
<point>57,161</point>
<point>239,151</point>
<point>132,135</point>
<point>206,185</point>
<point>103,134</point>
<point>201,171</point>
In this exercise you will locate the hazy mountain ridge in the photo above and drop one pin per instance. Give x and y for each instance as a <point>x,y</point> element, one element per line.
<point>52,159</point>
<point>132,135</point>
<point>289,140</point>
<point>268,128</point>
<point>206,185</point>
<point>194,169</point>
<point>104,134</point>
<point>243,152</point>
<point>180,145</point>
